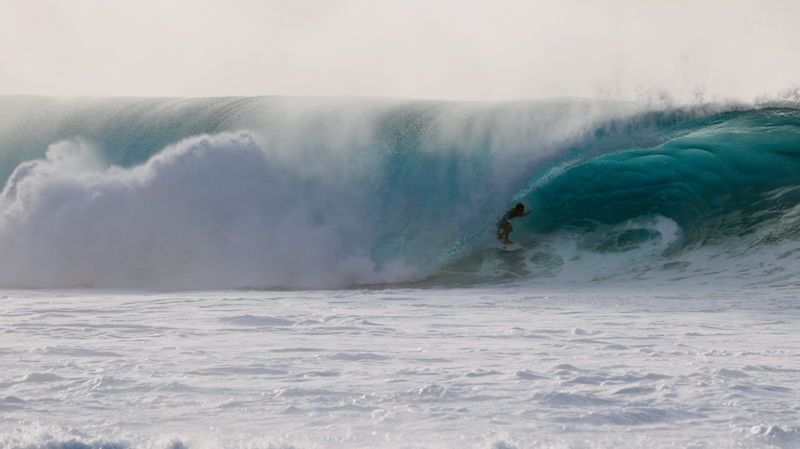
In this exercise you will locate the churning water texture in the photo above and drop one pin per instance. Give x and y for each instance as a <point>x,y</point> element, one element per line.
<point>275,192</point>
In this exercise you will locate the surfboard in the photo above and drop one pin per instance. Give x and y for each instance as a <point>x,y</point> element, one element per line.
<point>512,247</point>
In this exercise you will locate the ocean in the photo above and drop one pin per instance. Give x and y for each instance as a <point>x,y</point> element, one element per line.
<point>289,272</point>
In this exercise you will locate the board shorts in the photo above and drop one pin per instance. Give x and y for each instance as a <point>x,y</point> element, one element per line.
<point>503,227</point>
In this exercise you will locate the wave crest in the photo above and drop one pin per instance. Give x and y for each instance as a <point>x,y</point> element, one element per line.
<point>339,192</point>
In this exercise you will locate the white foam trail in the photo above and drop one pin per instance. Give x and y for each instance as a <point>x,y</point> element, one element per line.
<point>609,252</point>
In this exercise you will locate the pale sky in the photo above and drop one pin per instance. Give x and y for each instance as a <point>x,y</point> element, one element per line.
<point>437,49</point>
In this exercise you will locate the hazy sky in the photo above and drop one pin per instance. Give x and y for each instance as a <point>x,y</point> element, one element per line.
<point>450,49</point>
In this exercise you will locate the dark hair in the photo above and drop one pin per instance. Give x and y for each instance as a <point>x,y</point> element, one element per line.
<point>520,205</point>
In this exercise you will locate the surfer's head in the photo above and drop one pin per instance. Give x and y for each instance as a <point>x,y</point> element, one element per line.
<point>520,208</point>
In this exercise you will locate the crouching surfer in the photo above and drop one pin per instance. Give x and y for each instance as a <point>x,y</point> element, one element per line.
<point>504,227</point>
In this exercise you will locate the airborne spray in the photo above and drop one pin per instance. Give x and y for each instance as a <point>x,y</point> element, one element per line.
<point>299,193</point>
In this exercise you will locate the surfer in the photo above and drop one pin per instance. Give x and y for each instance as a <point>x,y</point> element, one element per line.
<point>504,227</point>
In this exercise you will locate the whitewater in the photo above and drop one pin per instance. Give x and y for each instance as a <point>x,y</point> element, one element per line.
<point>279,272</point>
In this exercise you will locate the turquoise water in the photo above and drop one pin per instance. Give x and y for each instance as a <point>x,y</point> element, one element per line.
<point>307,192</point>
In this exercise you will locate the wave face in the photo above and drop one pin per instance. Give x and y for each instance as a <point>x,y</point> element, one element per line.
<point>309,193</point>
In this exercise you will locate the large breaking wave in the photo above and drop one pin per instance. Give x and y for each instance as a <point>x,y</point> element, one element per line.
<point>304,193</point>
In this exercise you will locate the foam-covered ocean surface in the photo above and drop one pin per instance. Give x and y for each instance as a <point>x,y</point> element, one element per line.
<point>489,368</point>
<point>281,272</point>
